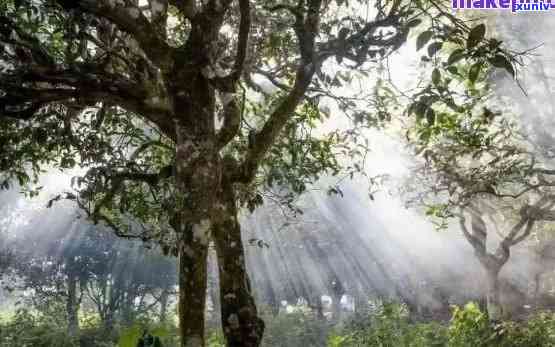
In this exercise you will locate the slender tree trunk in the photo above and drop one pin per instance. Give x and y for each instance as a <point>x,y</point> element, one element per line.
<point>493,300</point>
<point>213,289</point>
<point>537,287</point>
<point>72,307</point>
<point>108,322</point>
<point>128,307</point>
<point>164,297</point>
<point>241,324</point>
<point>192,292</point>
<point>336,307</point>
<point>316,304</point>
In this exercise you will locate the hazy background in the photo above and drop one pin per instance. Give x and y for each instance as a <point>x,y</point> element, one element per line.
<point>378,246</point>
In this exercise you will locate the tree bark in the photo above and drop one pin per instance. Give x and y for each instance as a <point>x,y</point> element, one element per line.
<point>493,300</point>
<point>197,179</point>
<point>192,292</point>
<point>241,325</point>
<point>164,297</point>
<point>213,289</point>
<point>72,307</point>
<point>128,307</point>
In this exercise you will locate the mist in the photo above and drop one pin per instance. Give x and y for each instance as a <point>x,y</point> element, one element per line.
<point>335,252</point>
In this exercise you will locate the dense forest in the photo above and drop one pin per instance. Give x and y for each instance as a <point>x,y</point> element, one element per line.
<point>245,173</point>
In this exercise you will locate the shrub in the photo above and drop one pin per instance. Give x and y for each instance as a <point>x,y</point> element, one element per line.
<point>297,329</point>
<point>28,330</point>
<point>470,327</point>
<point>389,326</point>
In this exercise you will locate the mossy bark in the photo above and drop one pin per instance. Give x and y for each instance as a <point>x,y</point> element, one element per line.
<point>241,324</point>
<point>192,293</point>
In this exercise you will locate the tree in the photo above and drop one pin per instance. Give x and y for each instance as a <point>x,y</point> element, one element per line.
<point>54,264</point>
<point>151,97</point>
<point>478,165</point>
<point>70,263</point>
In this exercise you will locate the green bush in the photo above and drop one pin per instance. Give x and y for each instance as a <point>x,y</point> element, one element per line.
<point>389,326</point>
<point>297,329</point>
<point>160,335</point>
<point>470,327</point>
<point>28,330</point>
<point>539,331</point>
<point>215,339</point>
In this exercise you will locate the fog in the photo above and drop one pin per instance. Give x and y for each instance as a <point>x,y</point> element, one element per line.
<point>351,244</point>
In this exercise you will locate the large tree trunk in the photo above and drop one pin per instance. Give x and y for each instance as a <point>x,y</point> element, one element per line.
<point>241,324</point>
<point>72,307</point>
<point>192,292</point>
<point>197,179</point>
<point>493,300</point>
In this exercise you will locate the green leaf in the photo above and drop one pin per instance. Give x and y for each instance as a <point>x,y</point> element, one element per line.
<point>423,39</point>
<point>502,62</point>
<point>160,331</point>
<point>436,76</point>
<point>455,56</point>
<point>430,116</point>
<point>414,23</point>
<point>474,72</point>
<point>419,109</point>
<point>129,337</point>
<point>434,48</point>
<point>453,70</point>
<point>475,36</point>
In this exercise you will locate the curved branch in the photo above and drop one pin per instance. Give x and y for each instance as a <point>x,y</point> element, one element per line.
<point>306,29</point>
<point>130,19</point>
<point>474,242</point>
<point>363,39</point>
<point>26,91</point>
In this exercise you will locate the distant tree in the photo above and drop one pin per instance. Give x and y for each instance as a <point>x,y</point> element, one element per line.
<point>478,166</point>
<point>54,267</point>
<point>158,99</point>
<point>75,263</point>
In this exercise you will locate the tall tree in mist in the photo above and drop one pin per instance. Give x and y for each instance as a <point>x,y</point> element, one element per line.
<point>480,168</point>
<point>160,101</point>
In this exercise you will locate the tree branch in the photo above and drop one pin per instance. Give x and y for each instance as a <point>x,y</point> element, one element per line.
<point>38,54</point>
<point>159,15</point>
<point>26,91</point>
<point>362,40</point>
<point>130,19</point>
<point>186,7</point>
<point>306,29</point>
<point>243,40</point>
<point>479,248</point>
